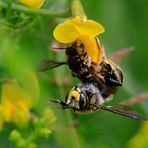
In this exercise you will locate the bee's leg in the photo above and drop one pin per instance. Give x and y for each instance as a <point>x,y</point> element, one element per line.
<point>94,99</point>
<point>73,74</point>
<point>87,61</point>
<point>136,99</point>
<point>120,54</point>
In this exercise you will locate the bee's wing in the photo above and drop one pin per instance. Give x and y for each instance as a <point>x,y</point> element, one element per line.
<point>121,53</point>
<point>115,56</point>
<point>50,64</point>
<point>124,111</point>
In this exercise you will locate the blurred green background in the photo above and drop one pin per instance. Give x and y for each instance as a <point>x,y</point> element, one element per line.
<point>126,24</point>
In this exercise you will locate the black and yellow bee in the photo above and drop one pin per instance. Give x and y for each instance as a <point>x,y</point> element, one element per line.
<point>86,97</point>
<point>106,74</point>
<point>98,82</point>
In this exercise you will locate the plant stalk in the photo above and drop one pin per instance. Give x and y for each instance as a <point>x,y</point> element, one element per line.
<point>44,12</point>
<point>77,9</point>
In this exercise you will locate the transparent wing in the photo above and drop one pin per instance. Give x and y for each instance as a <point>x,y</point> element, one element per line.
<point>121,53</point>
<point>50,64</point>
<point>124,111</point>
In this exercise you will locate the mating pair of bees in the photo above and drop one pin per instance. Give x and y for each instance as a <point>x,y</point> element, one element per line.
<point>99,82</point>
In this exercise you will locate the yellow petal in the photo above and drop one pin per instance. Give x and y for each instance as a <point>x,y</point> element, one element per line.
<point>16,113</point>
<point>30,84</point>
<point>33,4</point>
<point>16,103</point>
<point>91,46</point>
<point>14,93</point>
<point>21,117</point>
<point>66,32</point>
<point>140,139</point>
<point>89,27</point>
<point>8,110</point>
<point>72,29</point>
<point>1,117</point>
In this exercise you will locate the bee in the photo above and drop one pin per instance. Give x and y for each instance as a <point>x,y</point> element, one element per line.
<point>86,97</point>
<point>106,74</point>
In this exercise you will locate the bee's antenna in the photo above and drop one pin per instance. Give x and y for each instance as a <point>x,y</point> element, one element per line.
<point>59,47</point>
<point>60,103</point>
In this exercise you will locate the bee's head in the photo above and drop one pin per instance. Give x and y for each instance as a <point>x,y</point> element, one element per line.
<point>112,73</point>
<point>76,99</point>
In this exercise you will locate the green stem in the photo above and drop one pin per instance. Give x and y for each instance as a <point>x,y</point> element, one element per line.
<point>77,9</point>
<point>45,12</point>
<point>8,12</point>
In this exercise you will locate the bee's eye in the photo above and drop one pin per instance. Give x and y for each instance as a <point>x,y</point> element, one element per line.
<point>120,75</point>
<point>106,69</point>
<point>82,101</point>
<point>109,67</point>
<point>115,78</point>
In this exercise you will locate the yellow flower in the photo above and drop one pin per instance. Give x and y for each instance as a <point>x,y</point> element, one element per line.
<point>1,117</point>
<point>33,4</point>
<point>15,103</point>
<point>72,29</point>
<point>140,140</point>
<point>83,30</point>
